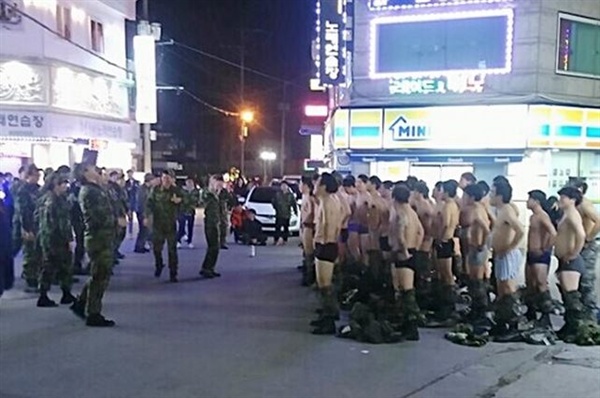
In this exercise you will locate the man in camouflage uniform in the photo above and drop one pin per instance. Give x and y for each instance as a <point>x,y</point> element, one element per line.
<point>120,205</point>
<point>212,214</point>
<point>224,202</point>
<point>26,204</point>
<point>141,199</point>
<point>17,238</point>
<point>162,208</point>
<point>187,214</point>
<point>100,226</point>
<point>284,203</point>
<point>78,227</point>
<point>55,237</point>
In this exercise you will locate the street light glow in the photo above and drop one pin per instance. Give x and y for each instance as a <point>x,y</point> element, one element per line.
<point>268,156</point>
<point>247,116</point>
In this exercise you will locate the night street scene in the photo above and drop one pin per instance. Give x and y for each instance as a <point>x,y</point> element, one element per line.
<point>299,198</point>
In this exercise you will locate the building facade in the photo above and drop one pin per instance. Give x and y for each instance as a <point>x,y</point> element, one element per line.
<point>434,88</point>
<point>64,86</point>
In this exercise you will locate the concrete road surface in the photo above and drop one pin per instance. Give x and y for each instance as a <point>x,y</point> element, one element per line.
<point>246,335</point>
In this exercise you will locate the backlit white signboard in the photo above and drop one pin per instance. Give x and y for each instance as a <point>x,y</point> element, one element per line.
<point>145,77</point>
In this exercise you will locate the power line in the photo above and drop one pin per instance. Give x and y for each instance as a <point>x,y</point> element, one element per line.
<point>231,63</point>
<point>213,107</point>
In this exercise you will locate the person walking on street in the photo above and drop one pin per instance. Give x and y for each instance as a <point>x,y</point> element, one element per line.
<point>284,203</point>
<point>132,187</point>
<point>26,204</point>
<point>187,216</point>
<point>225,199</point>
<point>162,209</point>
<point>118,196</point>
<point>141,199</point>
<point>100,228</point>
<point>56,237</point>
<point>17,237</point>
<point>212,214</point>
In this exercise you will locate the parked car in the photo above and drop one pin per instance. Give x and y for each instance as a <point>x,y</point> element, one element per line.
<point>260,200</point>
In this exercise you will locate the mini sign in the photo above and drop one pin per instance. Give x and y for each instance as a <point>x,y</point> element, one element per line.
<point>451,84</point>
<point>403,130</point>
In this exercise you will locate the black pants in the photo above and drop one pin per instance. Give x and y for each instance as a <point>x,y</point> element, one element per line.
<point>282,224</point>
<point>256,239</point>
<point>213,243</point>
<point>186,220</point>
<point>79,252</point>
<point>142,236</point>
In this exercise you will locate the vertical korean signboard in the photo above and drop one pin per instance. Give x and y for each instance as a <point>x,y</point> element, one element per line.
<point>145,77</point>
<point>331,42</point>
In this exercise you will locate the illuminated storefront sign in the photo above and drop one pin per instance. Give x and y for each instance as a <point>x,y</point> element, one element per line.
<point>451,84</point>
<point>380,5</point>
<point>330,45</point>
<point>25,84</point>
<point>145,78</point>
<point>398,48</point>
<point>83,92</point>
<point>563,127</point>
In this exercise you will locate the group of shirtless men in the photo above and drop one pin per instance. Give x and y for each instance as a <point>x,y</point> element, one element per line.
<point>397,228</point>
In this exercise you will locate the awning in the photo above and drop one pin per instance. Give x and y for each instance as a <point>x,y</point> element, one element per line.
<point>439,156</point>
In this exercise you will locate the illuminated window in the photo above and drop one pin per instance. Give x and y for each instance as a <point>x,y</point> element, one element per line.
<point>97,35</point>
<point>578,49</point>
<point>63,21</point>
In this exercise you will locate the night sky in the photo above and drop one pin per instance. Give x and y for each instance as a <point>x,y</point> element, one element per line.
<point>278,34</point>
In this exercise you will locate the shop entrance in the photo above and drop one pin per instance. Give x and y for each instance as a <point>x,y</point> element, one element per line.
<point>434,172</point>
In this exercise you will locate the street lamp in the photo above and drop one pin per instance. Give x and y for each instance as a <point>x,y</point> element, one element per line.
<point>247,117</point>
<point>267,157</point>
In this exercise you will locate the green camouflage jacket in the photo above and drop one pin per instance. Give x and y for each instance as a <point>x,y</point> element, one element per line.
<point>212,207</point>
<point>27,197</point>
<point>54,222</point>
<point>225,199</point>
<point>98,214</point>
<point>284,204</point>
<point>191,200</point>
<point>119,199</point>
<point>160,206</point>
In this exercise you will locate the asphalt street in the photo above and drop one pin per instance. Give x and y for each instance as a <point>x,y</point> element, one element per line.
<point>246,335</point>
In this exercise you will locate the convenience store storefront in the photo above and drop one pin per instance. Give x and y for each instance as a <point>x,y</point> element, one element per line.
<point>531,144</point>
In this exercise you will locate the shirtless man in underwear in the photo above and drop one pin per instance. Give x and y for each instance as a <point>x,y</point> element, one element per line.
<point>358,241</point>
<point>591,225</point>
<point>506,237</point>
<point>466,179</point>
<point>477,248</point>
<point>570,240</point>
<point>409,237</point>
<point>374,220</point>
<point>307,216</point>
<point>328,221</point>
<point>385,191</point>
<point>345,195</point>
<point>446,223</point>
<point>540,241</point>
<point>426,213</point>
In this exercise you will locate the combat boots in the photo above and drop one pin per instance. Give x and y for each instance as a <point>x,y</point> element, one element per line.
<point>546,307</point>
<point>308,270</point>
<point>479,301</point>
<point>67,297</point>
<point>508,319</point>
<point>97,320</point>
<point>411,315</point>
<point>574,316</point>
<point>531,300</point>
<point>45,302</point>
<point>444,315</point>
<point>326,323</point>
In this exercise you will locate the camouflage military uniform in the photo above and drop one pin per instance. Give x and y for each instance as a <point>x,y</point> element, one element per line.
<point>164,211</point>
<point>55,235</point>
<point>224,201</point>
<point>100,226</point>
<point>212,214</point>
<point>26,204</point>
<point>78,226</point>
<point>187,213</point>
<point>120,204</point>
<point>284,204</point>
<point>17,238</point>
<point>587,283</point>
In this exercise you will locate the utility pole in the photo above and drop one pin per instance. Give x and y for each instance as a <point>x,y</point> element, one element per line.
<point>244,127</point>
<point>284,107</point>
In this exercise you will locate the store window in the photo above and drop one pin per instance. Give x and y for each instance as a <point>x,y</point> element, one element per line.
<point>97,35</point>
<point>578,46</point>
<point>589,171</point>
<point>63,21</point>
